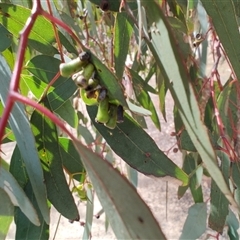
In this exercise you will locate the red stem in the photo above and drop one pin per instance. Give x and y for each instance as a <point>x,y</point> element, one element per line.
<point>63,25</point>
<point>14,84</point>
<point>18,97</point>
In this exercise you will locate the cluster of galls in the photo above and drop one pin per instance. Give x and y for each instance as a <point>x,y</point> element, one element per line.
<point>110,112</point>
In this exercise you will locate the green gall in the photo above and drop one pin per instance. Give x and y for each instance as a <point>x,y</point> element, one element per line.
<point>102,113</point>
<point>112,122</point>
<point>67,69</point>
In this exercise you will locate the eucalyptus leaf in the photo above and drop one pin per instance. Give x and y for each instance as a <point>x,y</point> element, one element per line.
<point>122,34</point>
<point>129,216</point>
<point>138,149</point>
<point>225,24</point>
<point>17,196</point>
<point>13,17</point>
<point>48,148</point>
<point>20,126</point>
<point>164,47</point>
<point>195,224</point>
<point>6,213</point>
<point>6,38</point>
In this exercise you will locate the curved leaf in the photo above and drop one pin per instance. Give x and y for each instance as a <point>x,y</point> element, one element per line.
<point>143,97</point>
<point>70,158</point>
<point>138,149</point>
<point>24,228</point>
<point>6,38</point>
<point>21,127</point>
<point>6,213</point>
<point>13,17</point>
<point>18,198</point>
<point>223,17</point>
<point>195,224</point>
<point>128,214</point>
<point>168,57</point>
<point>109,80</point>
<point>49,152</point>
<point>122,34</point>
<point>233,226</point>
<point>44,68</point>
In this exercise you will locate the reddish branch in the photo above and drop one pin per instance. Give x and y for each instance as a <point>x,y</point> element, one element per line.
<point>13,94</point>
<point>228,149</point>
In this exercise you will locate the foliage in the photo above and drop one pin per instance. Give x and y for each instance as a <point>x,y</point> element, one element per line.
<point>90,67</point>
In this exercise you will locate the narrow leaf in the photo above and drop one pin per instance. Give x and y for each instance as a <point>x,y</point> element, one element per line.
<point>44,68</point>
<point>13,17</point>
<point>143,97</point>
<point>189,167</point>
<point>138,149</point>
<point>195,224</point>
<point>122,34</point>
<point>89,215</point>
<point>17,196</point>
<point>70,158</point>
<point>233,226</point>
<point>128,215</point>
<point>6,38</point>
<point>48,148</point>
<point>68,113</point>
<point>21,127</point>
<point>225,23</point>
<point>6,213</point>
<point>109,80</point>
<point>24,228</point>
<point>219,203</point>
<point>167,55</point>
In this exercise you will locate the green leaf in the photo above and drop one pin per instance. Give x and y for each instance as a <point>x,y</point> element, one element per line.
<point>85,133</point>
<point>24,228</point>
<point>195,224</point>
<point>109,80</point>
<point>233,226</point>
<point>18,198</point>
<point>235,168</point>
<point>89,215</point>
<point>49,152</point>
<point>225,23</point>
<point>68,113</point>
<point>6,213</point>
<point>6,38</point>
<point>122,34</point>
<point>219,203</point>
<point>129,216</point>
<point>227,107</point>
<point>164,48</point>
<point>162,91</point>
<point>143,97</point>
<point>72,23</point>
<point>138,149</point>
<point>70,158</point>
<point>138,110</point>
<point>20,126</point>
<point>44,68</point>
<point>14,17</point>
<point>189,166</point>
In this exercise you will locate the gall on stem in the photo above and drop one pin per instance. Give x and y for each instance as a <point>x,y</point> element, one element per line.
<point>15,79</point>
